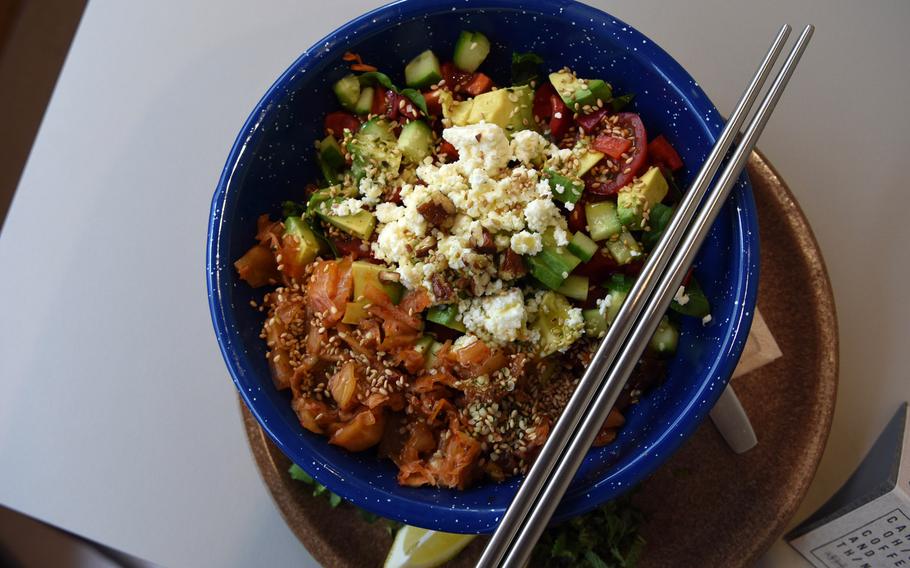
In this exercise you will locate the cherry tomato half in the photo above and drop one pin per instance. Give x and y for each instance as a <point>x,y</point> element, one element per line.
<point>610,182</point>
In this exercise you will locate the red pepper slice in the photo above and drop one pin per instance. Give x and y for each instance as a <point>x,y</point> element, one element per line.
<point>379,101</point>
<point>455,78</point>
<point>662,153</point>
<point>541,107</point>
<point>447,149</point>
<point>561,118</point>
<point>352,247</point>
<point>434,106</point>
<point>600,266</point>
<point>478,84</point>
<point>337,122</point>
<point>612,146</point>
<point>590,122</point>
<point>578,221</point>
<point>609,183</point>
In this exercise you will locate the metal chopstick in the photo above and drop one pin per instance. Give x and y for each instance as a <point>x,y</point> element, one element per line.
<point>647,323</point>
<point>564,431</point>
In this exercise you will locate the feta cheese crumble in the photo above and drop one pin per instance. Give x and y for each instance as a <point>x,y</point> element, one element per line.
<point>497,319</point>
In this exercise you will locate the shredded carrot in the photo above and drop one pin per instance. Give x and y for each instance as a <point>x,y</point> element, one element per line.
<point>358,64</point>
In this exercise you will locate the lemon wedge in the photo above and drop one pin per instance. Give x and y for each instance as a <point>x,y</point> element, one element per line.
<point>415,547</point>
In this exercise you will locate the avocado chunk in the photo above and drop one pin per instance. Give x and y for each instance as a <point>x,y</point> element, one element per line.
<point>354,313</point>
<point>308,242</point>
<point>636,199</point>
<point>564,188</point>
<point>428,347</point>
<point>360,224</point>
<point>583,92</point>
<point>591,91</point>
<point>551,322</point>
<point>457,112</point>
<point>509,108</point>
<point>316,201</point>
<point>367,273</point>
<point>447,315</point>
<point>587,161</point>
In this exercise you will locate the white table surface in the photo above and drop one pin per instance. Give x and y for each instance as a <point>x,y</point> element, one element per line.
<point>118,420</point>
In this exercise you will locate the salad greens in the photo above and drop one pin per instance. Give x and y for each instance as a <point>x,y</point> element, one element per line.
<point>606,537</point>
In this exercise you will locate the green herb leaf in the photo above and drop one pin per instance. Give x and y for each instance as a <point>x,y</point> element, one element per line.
<point>298,474</point>
<point>525,68</point>
<point>416,97</point>
<point>375,77</point>
<point>607,537</point>
<point>293,209</point>
<point>619,103</point>
<point>334,500</point>
<point>595,560</point>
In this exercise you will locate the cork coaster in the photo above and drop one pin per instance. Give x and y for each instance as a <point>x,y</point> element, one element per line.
<point>706,506</point>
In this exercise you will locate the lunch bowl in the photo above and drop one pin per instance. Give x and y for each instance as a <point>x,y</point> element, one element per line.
<point>273,159</point>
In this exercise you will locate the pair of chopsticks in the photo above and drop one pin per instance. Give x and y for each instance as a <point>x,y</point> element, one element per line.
<point>618,353</point>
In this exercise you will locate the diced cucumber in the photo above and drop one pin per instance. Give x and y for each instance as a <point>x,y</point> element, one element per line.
<point>540,270</point>
<point>595,322</point>
<point>623,249</point>
<point>619,283</point>
<point>374,145</point>
<point>602,220</point>
<point>665,338</point>
<point>377,129</point>
<point>423,70</point>
<point>447,315</point>
<point>575,287</point>
<point>415,141</point>
<point>365,101</point>
<point>552,265</point>
<point>471,49</point>
<point>550,322</point>
<point>582,246</point>
<point>347,89</point>
<point>564,188</point>
<point>617,297</point>
<point>330,159</point>
<point>697,306</point>
<point>330,153</point>
<point>657,222</point>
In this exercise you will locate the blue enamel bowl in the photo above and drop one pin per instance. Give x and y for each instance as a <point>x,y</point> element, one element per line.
<point>272,160</point>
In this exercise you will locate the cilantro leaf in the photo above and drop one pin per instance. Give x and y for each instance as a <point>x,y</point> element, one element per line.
<point>525,68</point>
